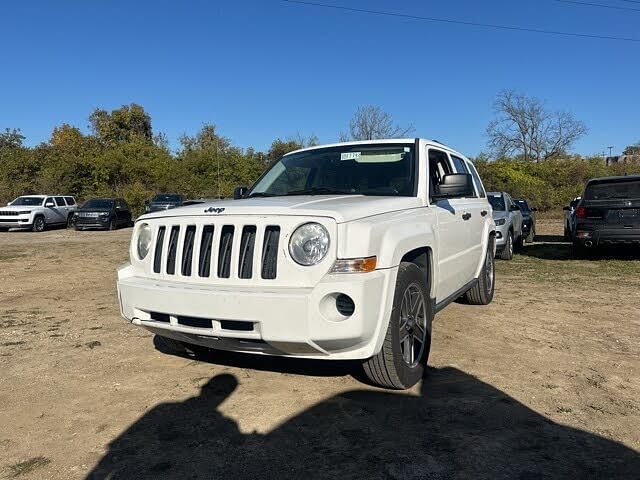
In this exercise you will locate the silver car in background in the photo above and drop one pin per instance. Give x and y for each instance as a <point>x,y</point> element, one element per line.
<point>508,218</point>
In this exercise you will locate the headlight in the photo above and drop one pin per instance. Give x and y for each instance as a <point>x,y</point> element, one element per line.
<point>104,214</point>
<point>309,244</point>
<point>144,240</point>
<point>501,221</point>
<point>24,212</point>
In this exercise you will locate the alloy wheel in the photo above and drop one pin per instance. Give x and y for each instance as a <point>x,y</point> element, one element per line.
<point>413,325</point>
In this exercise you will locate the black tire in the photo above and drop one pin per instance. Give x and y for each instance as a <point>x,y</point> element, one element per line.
<point>70,221</point>
<point>507,251</point>
<point>519,243</point>
<point>390,368</point>
<point>39,224</point>
<point>580,251</point>
<point>113,224</point>
<point>482,292</point>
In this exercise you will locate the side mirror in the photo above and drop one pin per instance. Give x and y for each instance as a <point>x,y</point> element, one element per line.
<point>239,192</point>
<point>514,208</point>
<point>49,204</point>
<point>455,185</point>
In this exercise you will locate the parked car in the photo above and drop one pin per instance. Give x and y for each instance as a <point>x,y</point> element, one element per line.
<point>508,219</point>
<point>528,219</point>
<point>338,252</point>
<point>103,213</point>
<point>163,201</point>
<point>37,212</point>
<point>569,218</point>
<point>608,213</point>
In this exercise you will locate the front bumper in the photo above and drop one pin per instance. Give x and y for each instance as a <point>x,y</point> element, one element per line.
<point>16,222</point>
<point>91,222</point>
<point>297,322</point>
<point>502,232</point>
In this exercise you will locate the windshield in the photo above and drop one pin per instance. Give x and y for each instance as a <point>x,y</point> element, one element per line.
<point>28,201</point>
<point>497,202</point>
<point>98,203</point>
<point>374,169</point>
<point>167,198</point>
<point>613,190</point>
<point>523,205</point>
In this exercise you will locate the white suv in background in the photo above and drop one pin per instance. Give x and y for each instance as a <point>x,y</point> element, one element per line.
<point>37,212</point>
<point>338,252</point>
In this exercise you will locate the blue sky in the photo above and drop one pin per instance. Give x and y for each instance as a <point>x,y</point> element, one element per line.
<point>261,69</point>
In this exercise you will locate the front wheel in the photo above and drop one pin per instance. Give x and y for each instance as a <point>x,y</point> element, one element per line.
<point>401,362</point>
<point>39,224</point>
<point>507,251</point>
<point>482,291</point>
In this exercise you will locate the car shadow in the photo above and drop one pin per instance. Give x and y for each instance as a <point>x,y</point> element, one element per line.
<point>555,247</point>
<point>458,427</point>
<point>296,366</point>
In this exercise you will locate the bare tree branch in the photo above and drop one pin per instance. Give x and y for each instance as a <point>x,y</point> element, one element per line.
<point>371,122</point>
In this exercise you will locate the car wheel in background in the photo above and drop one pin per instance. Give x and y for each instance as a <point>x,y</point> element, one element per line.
<point>401,362</point>
<point>112,224</point>
<point>519,242</point>
<point>70,221</point>
<point>482,292</point>
<point>39,224</point>
<point>507,251</point>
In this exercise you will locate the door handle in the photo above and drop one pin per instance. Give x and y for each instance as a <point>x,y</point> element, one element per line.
<point>484,213</point>
<point>466,216</point>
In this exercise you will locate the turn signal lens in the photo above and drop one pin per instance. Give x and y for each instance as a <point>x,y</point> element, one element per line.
<point>355,265</point>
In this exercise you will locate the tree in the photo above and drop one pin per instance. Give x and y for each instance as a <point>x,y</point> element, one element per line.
<point>121,125</point>
<point>11,138</point>
<point>281,147</point>
<point>370,122</point>
<point>525,127</point>
<point>632,149</point>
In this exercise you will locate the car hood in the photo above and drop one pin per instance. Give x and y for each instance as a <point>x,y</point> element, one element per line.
<point>91,210</point>
<point>342,208</point>
<point>497,214</point>
<point>15,208</point>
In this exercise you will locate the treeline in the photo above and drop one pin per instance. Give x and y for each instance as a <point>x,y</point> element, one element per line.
<point>121,156</point>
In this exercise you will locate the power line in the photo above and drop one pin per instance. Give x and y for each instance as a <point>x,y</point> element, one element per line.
<point>601,5</point>
<point>462,22</point>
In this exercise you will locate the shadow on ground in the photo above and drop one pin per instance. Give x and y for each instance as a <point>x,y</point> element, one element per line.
<point>555,247</point>
<point>459,427</point>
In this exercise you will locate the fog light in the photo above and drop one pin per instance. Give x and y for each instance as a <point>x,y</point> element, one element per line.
<point>498,235</point>
<point>345,305</point>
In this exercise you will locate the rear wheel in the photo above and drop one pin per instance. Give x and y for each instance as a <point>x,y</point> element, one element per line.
<point>482,292</point>
<point>70,221</point>
<point>39,224</point>
<point>507,251</point>
<point>401,362</point>
<point>112,224</point>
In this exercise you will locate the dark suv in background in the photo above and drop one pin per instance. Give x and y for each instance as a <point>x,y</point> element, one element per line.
<point>528,219</point>
<point>608,213</point>
<point>164,201</point>
<point>103,213</point>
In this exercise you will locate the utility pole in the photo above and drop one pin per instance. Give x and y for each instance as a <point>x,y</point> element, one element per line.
<point>610,148</point>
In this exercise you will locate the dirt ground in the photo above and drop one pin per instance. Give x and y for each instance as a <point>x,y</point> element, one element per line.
<point>544,382</point>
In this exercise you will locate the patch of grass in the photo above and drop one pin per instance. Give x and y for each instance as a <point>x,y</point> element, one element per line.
<point>28,466</point>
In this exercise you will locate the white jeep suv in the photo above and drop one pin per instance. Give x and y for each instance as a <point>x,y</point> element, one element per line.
<point>37,212</point>
<point>344,251</point>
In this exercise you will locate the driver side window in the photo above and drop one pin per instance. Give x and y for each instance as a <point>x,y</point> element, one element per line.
<point>439,166</point>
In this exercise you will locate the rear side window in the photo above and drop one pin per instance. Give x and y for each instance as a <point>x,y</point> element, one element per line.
<point>70,200</point>
<point>459,164</point>
<point>477,181</point>
<point>60,201</point>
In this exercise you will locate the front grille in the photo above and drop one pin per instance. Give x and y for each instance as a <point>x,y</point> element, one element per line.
<point>9,214</point>
<point>215,251</point>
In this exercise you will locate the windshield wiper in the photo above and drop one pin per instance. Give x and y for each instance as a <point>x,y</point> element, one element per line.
<point>320,191</point>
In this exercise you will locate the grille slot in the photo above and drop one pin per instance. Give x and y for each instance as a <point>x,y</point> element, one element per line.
<point>224,253</point>
<point>194,322</point>
<point>247,245</point>
<point>187,250</point>
<point>206,245</point>
<point>173,249</point>
<point>270,252</point>
<point>157,259</point>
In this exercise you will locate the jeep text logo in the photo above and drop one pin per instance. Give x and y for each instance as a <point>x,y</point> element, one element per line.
<point>214,210</point>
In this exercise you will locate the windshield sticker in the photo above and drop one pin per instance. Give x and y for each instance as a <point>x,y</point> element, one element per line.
<point>350,156</point>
